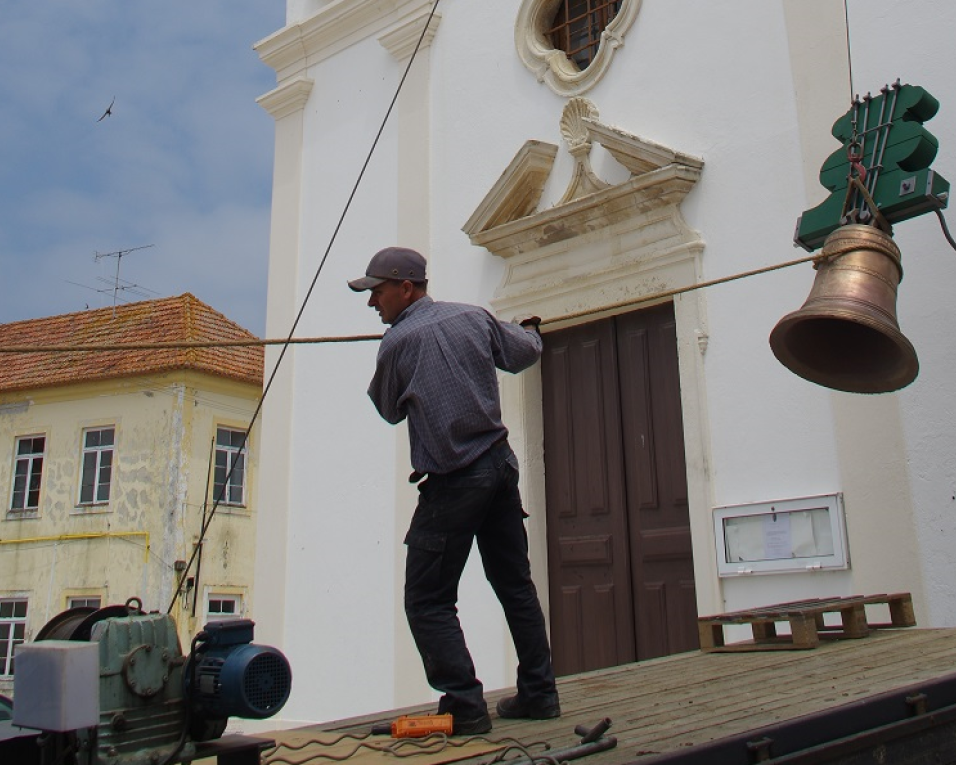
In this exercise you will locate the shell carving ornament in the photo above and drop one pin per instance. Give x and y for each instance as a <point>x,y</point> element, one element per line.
<point>574,130</point>
<point>552,66</point>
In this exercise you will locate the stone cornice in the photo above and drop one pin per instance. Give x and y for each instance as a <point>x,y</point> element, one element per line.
<point>638,155</point>
<point>287,99</point>
<point>334,28</point>
<point>602,211</point>
<point>517,192</point>
<point>401,41</point>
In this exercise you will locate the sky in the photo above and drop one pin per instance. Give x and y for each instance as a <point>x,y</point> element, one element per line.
<point>181,167</point>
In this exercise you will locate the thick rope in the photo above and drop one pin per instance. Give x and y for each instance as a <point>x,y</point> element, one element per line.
<point>630,302</point>
<point>183,345</point>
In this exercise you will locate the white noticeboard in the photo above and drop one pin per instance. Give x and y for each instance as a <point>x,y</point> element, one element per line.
<point>804,534</point>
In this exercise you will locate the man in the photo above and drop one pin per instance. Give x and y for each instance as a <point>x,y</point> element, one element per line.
<point>436,368</point>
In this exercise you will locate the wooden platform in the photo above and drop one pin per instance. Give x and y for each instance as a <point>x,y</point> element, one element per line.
<point>806,620</point>
<point>669,704</point>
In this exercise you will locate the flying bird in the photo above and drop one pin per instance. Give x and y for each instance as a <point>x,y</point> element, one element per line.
<point>109,110</point>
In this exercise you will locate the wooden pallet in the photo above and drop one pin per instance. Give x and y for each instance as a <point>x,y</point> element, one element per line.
<point>806,620</point>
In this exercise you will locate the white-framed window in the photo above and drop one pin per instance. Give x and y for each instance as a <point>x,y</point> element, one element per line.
<point>785,536</point>
<point>84,601</point>
<point>229,479</point>
<point>97,465</point>
<point>222,606</point>
<point>27,473</point>
<point>13,628</point>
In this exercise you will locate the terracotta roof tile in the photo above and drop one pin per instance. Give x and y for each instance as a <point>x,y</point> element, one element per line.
<point>175,319</point>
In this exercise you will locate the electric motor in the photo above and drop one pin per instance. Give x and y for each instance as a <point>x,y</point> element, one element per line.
<point>231,677</point>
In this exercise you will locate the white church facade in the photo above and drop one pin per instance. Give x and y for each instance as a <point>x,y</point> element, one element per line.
<point>672,467</point>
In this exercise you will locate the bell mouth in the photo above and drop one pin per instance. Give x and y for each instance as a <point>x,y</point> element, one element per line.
<point>845,352</point>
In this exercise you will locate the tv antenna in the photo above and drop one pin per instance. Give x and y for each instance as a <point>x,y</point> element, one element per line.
<point>119,284</point>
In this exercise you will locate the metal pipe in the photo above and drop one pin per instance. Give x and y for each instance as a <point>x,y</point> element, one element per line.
<point>600,744</point>
<point>75,537</point>
<point>857,216</point>
<point>881,137</point>
<point>886,137</point>
<point>592,734</point>
<point>858,139</point>
<point>866,122</point>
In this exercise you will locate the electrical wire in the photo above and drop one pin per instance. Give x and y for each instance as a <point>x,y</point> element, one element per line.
<point>289,338</point>
<point>942,222</point>
<point>849,58</point>
<point>405,747</point>
<point>524,756</point>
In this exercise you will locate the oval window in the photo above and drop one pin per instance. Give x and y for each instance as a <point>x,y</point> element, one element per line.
<point>569,44</point>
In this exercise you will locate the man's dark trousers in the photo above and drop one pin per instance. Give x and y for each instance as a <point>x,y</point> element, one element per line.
<point>480,501</point>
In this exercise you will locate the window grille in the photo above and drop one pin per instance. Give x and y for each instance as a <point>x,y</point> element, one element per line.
<point>578,25</point>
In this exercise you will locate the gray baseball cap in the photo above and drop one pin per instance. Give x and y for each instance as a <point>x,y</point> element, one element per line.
<point>397,263</point>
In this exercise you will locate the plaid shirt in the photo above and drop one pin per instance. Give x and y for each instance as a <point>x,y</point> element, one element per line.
<point>436,367</point>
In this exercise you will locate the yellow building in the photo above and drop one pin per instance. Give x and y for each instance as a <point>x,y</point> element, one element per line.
<point>111,460</point>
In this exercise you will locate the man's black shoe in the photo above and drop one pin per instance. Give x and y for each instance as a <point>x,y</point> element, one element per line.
<point>471,727</point>
<point>514,707</point>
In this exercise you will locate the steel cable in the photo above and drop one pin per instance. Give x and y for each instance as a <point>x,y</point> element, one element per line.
<point>289,339</point>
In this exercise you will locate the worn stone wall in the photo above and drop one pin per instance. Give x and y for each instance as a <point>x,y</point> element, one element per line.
<point>129,546</point>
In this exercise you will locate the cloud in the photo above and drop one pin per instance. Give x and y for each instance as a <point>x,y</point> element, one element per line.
<point>183,163</point>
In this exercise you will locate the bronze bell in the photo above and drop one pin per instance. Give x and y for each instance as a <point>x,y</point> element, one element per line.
<point>846,335</point>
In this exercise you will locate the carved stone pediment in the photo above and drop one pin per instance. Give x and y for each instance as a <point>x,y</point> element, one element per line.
<point>518,190</point>
<point>507,221</point>
<point>606,232</point>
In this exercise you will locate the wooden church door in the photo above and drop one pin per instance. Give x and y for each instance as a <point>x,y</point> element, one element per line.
<point>619,545</point>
